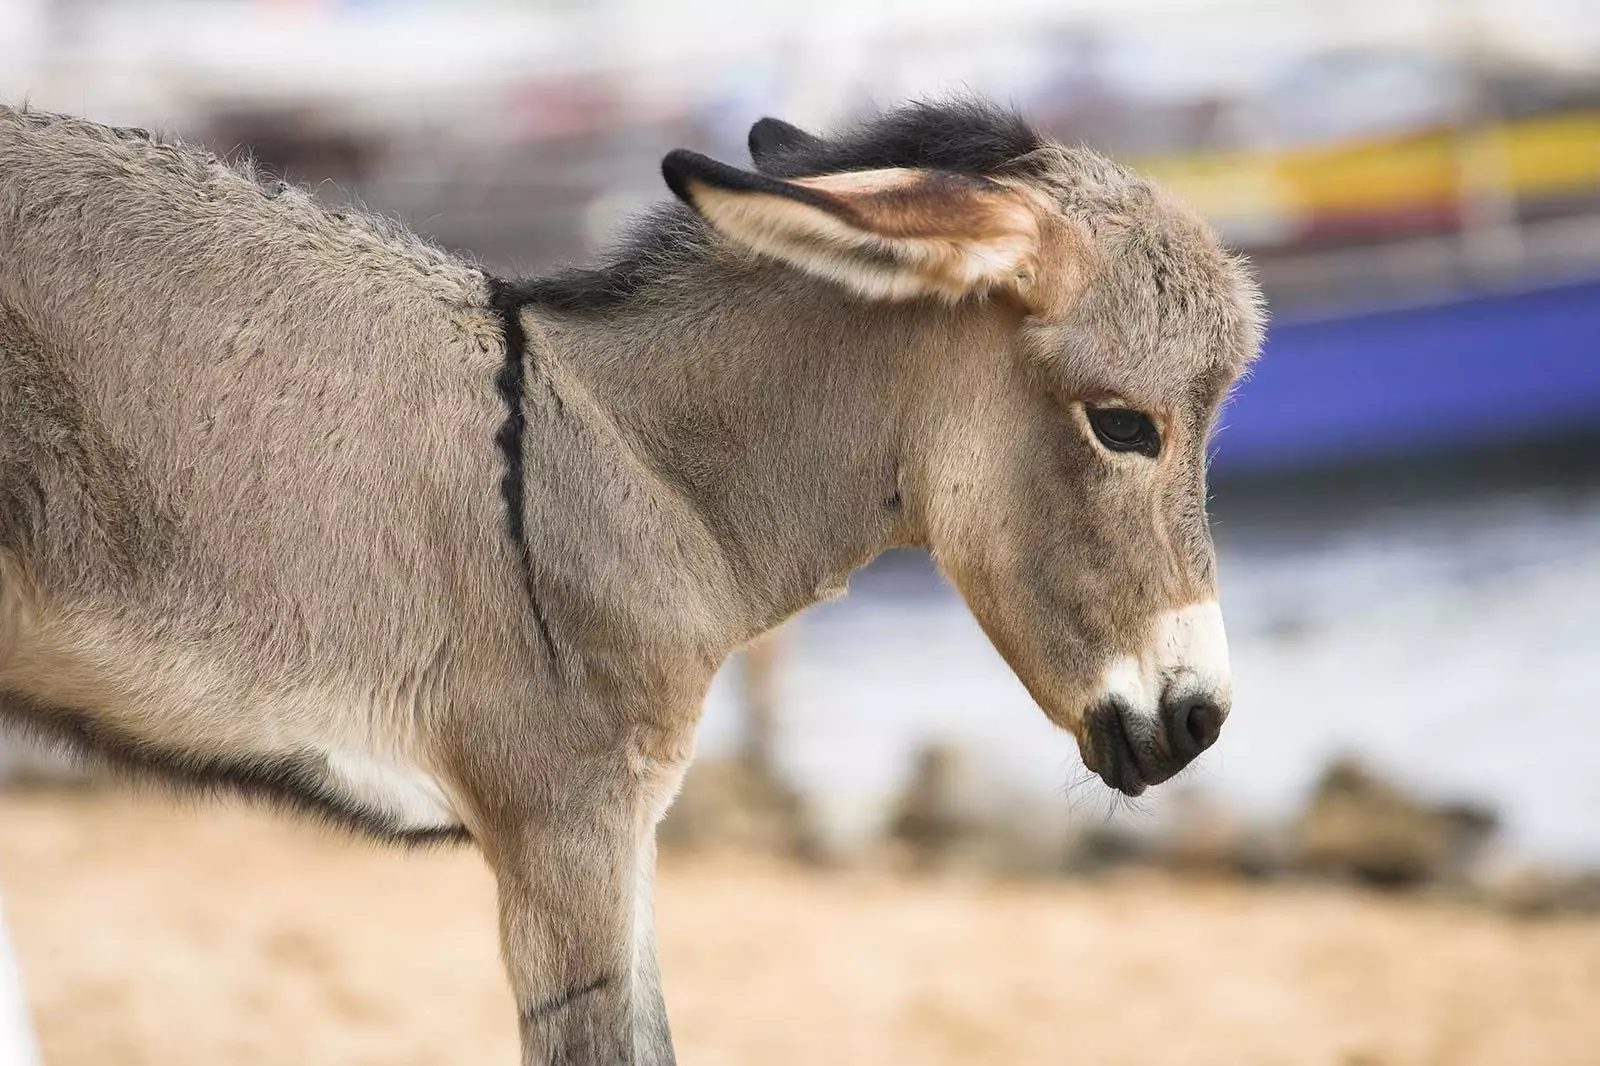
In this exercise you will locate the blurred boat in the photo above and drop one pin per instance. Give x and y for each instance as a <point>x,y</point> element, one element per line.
<point>1397,186</point>
<point>1470,371</point>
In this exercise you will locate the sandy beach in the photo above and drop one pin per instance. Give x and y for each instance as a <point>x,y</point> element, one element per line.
<point>159,933</point>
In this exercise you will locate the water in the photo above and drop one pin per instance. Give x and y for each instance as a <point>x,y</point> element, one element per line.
<point>1455,644</point>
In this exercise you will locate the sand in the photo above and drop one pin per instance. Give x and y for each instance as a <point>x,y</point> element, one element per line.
<point>153,933</point>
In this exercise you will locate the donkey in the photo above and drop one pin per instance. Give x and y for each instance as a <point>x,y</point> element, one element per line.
<point>295,504</point>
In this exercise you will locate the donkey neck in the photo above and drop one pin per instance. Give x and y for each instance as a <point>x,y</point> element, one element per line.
<point>777,409</point>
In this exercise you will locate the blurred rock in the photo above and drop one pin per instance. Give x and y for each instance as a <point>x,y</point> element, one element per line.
<point>1206,838</point>
<point>935,818</point>
<point>730,803</point>
<point>1362,827</point>
<point>1537,892</point>
<point>954,818</point>
<point>1096,849</point>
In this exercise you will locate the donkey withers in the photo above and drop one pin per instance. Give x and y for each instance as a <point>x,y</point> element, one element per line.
<point>292,503</point>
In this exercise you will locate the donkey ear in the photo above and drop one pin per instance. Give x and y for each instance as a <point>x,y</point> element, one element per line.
<point>770,136</point>
<point>886,234</point>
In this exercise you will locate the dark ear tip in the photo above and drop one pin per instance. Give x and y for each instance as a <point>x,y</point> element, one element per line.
<point>682,168</point>
<point>770,135</point>
<point>765,134</point>
<point>677,167</point>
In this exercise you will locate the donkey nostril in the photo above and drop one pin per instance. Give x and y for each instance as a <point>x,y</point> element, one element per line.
<point>1193,725</point>
<point>1205,723</point>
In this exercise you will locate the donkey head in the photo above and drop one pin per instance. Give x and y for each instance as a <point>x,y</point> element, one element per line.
<point>1056,465</point>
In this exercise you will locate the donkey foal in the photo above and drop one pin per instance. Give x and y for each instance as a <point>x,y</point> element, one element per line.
<point>292,503</point>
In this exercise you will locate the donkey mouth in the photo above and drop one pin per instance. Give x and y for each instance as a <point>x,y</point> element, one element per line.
<point>1113,753</point>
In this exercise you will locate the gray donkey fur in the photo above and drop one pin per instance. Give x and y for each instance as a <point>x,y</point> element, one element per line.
<point>293,503</point>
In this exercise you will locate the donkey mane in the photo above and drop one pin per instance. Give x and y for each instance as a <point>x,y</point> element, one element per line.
<point>959,134</point>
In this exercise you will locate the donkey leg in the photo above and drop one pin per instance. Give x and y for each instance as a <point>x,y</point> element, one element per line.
<point>575,926</point>
<point>653,1034</point>
<point>565,930</point>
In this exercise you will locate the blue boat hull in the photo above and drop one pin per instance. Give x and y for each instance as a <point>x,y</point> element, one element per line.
<point>1470,372</point>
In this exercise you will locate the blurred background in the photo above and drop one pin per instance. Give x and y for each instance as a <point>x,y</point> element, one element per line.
<point>1406,505</point>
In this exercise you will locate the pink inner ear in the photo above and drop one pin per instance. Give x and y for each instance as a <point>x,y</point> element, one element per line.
<point>907,203</point>
<point>863,182</point>
<point>893,233</point>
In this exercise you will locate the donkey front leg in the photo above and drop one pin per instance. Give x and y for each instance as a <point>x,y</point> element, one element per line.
<point>575,925</point>
<point>652,1032</point>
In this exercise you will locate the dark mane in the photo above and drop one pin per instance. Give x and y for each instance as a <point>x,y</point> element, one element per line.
<point>964,135</point>
<point>650,246</point>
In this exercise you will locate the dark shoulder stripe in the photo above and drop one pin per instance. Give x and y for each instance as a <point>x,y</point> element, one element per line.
<point>507,300</point>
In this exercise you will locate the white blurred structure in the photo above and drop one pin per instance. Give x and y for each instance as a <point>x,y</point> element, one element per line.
<point>16,1038</point>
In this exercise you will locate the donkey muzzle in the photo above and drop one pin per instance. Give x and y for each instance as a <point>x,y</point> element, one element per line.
<point>1131,751</point>
<point>1158,710</point>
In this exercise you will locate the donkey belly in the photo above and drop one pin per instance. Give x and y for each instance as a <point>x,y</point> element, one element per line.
<point>186,717</point>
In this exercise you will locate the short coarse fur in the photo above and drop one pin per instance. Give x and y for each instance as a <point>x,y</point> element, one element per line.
<point>295,504</point>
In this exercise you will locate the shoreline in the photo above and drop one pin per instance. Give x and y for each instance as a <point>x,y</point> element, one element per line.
<point>150,931</point>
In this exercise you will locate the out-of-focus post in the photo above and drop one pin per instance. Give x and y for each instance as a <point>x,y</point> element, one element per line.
<point>16,1037</point>
<point>1491,237</point>
<point>759,696</point>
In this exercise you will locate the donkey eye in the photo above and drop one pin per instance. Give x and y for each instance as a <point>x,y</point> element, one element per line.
<point>1125,430</point>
